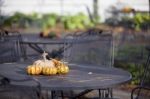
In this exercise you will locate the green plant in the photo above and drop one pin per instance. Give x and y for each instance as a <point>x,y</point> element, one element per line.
<point>135,71</point>
<point>20,19</point>
<point>49,20</point>
<point>79,21</point>
<point>131,57</point>
<point>141,21</point>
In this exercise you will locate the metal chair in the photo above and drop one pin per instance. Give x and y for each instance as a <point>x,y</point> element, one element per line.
<point>92,48</point>
<point>143,90</point>
<point>11,51</point>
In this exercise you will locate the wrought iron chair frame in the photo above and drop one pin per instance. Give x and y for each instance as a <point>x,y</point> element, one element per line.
<point>102,94</point>
<point>142,86</point>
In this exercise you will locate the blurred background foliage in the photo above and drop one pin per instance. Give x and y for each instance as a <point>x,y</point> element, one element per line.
<point>139,21</point>
<point>79,21</point>
<point>47,21</point>
<point>132,57</point>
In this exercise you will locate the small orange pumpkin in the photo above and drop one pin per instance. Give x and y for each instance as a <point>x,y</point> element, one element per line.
<point>49,70</point>
<point>34,70</point>
<point>62,69</point>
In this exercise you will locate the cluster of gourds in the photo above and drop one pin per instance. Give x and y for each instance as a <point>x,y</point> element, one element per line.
<point>47,67</point>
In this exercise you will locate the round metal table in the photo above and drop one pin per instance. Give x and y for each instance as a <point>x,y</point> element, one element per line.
<point>79,77</point>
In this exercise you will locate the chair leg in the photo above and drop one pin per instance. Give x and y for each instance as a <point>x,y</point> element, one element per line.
<point>105,93</point>
<point>99,92</point>
<point>46,95</point>
<point>52,94</point>
<point>62,94</point>
<point>111,92</point>
<point>82,93</point>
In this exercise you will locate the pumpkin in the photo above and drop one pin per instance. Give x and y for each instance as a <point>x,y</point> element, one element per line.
<point>47,67</point>
<point>44,62</point>
<point>56,62</point>
<point>34,70</point>
<point>49,70</point>
<point>62,69</point>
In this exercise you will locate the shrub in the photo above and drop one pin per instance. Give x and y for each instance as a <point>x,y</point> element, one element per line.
<point>47,21</point>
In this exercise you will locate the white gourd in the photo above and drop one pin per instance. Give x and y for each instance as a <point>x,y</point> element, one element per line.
<point>37,63</point>
<point>44,62</point>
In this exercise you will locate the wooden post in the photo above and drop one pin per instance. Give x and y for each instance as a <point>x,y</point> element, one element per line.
<point>1,5</point>
<point>149,16</point>
<point>95,9</point>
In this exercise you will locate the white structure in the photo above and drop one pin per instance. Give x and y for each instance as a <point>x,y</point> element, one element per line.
<point>67,6</point>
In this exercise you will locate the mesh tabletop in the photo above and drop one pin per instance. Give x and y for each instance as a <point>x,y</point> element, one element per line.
<point>79,77</point>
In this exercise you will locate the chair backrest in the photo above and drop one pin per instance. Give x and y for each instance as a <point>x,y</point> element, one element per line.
<point>91,49</point>
<point>10,48</point>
